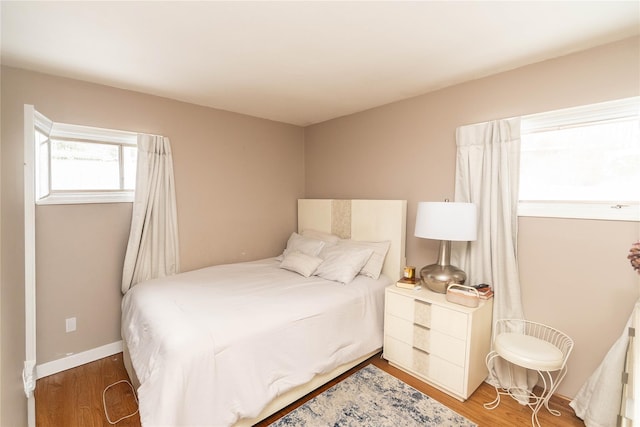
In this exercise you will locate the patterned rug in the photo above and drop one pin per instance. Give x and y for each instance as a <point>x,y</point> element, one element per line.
<point>371,397</point>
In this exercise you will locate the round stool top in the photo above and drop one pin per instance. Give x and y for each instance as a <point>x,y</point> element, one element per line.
<point>529,352</point>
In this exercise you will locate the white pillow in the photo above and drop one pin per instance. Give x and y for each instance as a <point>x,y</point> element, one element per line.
<point>300,263</point>
<point>328,238</point>
<point>342,263</point>
<point>306,245</point>
<point>373,267</point>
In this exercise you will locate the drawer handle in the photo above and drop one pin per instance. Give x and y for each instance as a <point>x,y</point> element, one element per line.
<point>421,326</point>
<point>421,350</point>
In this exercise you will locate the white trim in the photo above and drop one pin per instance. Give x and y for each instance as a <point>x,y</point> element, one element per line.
<point>89,133</point>
<point>42,122</point>
<point>79,197</point>
<point>29,238</point>
<point>28,379</point>
<point>78,359</point>
<point>580,210</point>
<point>627,108</point>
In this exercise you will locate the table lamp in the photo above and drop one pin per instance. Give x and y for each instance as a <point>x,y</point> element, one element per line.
<point>445,221</point>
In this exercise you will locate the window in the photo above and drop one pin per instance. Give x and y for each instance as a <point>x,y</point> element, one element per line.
<point>81,164</point>
<point>582,162</point>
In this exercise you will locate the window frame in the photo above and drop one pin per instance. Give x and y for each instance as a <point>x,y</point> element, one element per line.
<point>45,195</point>
<point>615,210</point>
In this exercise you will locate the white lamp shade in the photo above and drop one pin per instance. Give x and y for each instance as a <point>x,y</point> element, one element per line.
<point>446,221</point>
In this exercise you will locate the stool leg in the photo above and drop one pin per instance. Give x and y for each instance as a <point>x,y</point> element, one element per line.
<point>550,385</point>
<point>490,360</point>
<point>552,389</point>
<point>542,399</point>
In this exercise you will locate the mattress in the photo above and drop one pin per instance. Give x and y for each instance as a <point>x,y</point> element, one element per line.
<point>215,345</point>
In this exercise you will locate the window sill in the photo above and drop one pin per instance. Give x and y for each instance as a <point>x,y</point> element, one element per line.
<point>581,210</point>
<point>85,198</point>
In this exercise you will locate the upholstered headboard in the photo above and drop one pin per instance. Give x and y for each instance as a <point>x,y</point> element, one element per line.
<point>368,220</point>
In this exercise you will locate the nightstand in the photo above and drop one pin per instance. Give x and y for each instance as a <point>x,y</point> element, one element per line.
<point>442,343</point>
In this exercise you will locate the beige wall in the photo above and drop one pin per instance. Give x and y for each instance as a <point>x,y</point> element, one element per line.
<point>237,181</point>
<point>79,259</point>
<point>574,273</point>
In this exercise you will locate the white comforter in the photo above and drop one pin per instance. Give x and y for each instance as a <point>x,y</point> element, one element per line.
<point>215,345</point>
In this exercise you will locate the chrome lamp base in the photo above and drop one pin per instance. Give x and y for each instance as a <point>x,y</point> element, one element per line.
<point>437,277</point>
<point>442,274</point>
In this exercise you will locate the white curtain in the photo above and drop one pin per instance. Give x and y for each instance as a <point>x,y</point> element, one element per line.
<point>487,174</point>
<point>152,250</point>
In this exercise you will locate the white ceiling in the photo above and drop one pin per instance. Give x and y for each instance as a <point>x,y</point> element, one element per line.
<point>300,62</point>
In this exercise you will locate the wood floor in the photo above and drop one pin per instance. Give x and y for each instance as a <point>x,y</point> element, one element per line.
<point>74,398</point>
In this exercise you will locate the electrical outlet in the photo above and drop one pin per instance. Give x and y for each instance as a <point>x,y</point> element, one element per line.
<point>70,324</point>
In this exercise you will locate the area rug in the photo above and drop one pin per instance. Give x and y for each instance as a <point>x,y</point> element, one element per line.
<point>371,397</point>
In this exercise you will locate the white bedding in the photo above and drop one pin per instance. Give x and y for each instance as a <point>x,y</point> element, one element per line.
<point>215,345</point>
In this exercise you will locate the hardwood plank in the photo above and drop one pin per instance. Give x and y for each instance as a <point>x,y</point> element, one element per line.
<point>73,398</point>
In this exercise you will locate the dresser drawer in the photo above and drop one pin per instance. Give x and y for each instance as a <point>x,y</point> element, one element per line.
<point>399,306</point>
<point>398,352</point>
<point>449,322</point>
<point>446,373</point>
<point>448,347</point>
<point>400,329</point>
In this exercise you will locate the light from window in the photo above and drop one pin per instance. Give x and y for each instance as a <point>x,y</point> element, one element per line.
<point>80,164</point>
<point>129,162</point>
<point>582,162</point>
<point>84,166</point>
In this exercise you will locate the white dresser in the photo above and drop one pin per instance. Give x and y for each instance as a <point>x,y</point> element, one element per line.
<point>442,343</point>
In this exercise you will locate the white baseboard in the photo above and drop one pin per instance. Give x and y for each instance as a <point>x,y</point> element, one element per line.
<point>75,360</point>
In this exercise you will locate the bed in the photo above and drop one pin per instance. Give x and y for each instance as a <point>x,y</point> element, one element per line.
<point>232,344</point>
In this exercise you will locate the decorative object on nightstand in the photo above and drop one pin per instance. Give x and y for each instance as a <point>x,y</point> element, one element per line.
<point>409,272</point>
<point>409,279</point>
<point>470,293</point>
<point>485,291</point>
<point>445,221</point>
<point>463,295</point>
<point>409,283</point>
